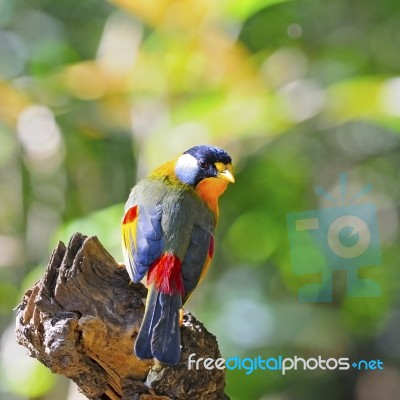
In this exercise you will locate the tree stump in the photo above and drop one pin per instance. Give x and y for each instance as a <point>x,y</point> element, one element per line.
<point>81,320</point>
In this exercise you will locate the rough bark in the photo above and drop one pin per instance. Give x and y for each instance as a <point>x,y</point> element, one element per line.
<point>81,320</point>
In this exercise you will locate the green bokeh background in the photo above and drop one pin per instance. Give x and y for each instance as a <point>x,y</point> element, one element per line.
<point>94,94</point>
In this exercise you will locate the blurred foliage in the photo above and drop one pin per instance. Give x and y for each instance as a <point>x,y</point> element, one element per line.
<point>94,94</point>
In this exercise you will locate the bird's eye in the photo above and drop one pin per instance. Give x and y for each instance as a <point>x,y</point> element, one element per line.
<point>203,164</point>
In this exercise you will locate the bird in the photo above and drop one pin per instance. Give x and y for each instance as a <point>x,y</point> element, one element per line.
<point>168,232</point>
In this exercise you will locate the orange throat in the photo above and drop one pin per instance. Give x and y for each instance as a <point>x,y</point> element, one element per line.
<point>209,190</point>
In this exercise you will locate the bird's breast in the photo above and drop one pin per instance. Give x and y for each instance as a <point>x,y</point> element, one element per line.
<point>209,191</point>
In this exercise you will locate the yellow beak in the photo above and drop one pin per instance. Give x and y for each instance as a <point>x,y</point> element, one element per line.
<point>226,175</point>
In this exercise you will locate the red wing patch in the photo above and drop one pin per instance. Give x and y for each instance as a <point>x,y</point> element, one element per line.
<point>211,247</point>
<point>166,274</point>
<point>130,215</point>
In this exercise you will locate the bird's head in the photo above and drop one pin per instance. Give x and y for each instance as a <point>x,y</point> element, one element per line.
<point>204,162</point>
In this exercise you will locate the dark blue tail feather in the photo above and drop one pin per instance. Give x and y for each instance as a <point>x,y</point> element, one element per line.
<point>159,334</point>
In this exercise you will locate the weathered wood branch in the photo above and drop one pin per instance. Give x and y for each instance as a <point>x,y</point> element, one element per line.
<point>81,320</point>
